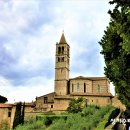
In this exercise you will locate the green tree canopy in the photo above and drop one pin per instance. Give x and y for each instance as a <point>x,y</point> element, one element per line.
<point>75,105</point>
<point>116,49</point>
<point>3,99</point>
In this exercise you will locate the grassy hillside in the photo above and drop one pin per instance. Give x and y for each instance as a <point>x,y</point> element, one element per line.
<point>91,117</point>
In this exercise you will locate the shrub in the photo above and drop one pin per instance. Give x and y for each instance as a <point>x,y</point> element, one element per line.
<point>89,110</point>
<point>75,105</point>
<point>58,125</point>
<point>4,125</point>
<point>48,119</point>
<point>32,125</point>
<point>88,119</point>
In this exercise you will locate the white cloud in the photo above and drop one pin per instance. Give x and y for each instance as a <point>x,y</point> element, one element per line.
<point>29,31</point>
<point>15,16</point>
<point>112,89</point>
<point>33,87</point>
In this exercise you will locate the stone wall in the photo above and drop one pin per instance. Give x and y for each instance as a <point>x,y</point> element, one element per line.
<point>102,84</point>
<point>117,103</point>
<point>91,86</point>
<point>61,104</point>
<point>45,102</point>
<point>74,89</point>
<point>7,114</point>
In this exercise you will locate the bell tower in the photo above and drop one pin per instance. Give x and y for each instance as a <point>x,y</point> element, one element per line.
<point>62,67</point>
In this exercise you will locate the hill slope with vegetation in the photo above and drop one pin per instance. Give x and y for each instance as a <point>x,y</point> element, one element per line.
<point>91,117</point>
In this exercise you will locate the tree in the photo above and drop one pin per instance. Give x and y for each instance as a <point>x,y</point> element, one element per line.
<point>19,114</point>
<point>116,49</point>
<point>17,117</point>
<point>3,99</point>
<point>23,113</point>
<point>75,105</point>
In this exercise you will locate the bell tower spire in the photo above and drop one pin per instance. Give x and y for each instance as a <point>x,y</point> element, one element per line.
<point>62,66</point>
<point>62,39</point>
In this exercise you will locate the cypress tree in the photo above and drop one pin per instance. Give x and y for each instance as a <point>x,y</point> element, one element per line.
<point>17,117</point>
<point>23,111</point>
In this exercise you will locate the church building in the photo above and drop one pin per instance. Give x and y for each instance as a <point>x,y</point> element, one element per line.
<point>96,90</point>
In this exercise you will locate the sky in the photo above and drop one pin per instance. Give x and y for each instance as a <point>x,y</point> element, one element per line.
<point>29,30</point>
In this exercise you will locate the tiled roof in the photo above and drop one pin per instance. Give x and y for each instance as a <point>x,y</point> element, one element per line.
<point>84,94</point>
<point>2,105</point>
<point>89,78</point>
<point>52,93</point>
<point>93,94</point>
<point>63,96</point>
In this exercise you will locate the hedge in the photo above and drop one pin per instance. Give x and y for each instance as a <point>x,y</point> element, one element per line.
<point>48,119</point>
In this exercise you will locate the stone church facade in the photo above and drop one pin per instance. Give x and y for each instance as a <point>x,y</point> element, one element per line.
<point>96,90</point>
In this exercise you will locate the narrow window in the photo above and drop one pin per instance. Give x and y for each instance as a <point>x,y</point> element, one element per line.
<point>68,50</point>
<point>51,106</point>
<point>72,87</point>
<point>45,100</point>
<point>84,87</point>
<point>68,90</point>
<point>9,114</point>
<point>98,88</point>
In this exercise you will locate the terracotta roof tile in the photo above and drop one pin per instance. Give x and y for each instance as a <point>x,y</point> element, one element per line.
<point>2,105</point>
<point>89,78</point>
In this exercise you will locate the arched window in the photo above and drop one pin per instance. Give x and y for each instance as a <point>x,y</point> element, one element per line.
<point>59,50</point>
<point>84,87</point>
<point>58,59</point>
<point>62,49</point>
<point>77,86</point>
<point>99,88</point>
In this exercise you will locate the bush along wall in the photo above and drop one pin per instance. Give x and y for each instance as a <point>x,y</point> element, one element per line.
<point>48,119</point>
